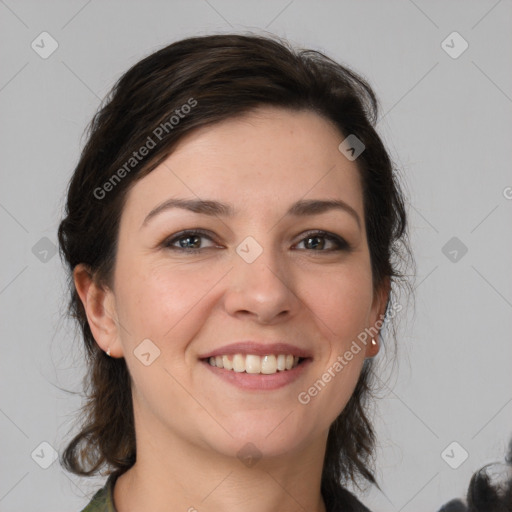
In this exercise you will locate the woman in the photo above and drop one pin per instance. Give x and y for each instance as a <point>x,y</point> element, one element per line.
<point>231,232</point>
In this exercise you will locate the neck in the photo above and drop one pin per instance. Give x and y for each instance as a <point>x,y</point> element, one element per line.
<point>172,474</point>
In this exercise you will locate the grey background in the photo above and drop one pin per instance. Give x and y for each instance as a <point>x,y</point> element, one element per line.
<point>448,126</point>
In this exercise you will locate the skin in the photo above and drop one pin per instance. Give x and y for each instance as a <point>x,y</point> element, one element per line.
<point>190,424</point>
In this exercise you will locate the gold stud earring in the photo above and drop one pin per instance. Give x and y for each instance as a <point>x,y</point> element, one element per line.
<point>374,342</point>
<point>108,352</point>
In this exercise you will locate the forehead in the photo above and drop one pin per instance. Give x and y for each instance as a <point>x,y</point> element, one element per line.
<point>270,157</point>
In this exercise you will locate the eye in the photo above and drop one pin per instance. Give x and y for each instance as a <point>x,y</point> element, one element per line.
<point>316,241</point>
<point>191,241</point>
<point>188,241</point>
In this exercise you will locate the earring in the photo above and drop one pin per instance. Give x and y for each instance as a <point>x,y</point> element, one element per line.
<point>374,342</point>
<point>108,352</point>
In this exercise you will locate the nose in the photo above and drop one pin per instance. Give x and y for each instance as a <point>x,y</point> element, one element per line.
<point>263,289</point>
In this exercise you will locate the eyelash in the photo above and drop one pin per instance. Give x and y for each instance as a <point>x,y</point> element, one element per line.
<point>342,244</point>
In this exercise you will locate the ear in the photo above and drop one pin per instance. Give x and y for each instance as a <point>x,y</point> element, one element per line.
<point>99,305</point>
<point>380,302</point>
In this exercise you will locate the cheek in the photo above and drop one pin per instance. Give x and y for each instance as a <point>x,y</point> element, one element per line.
<point>341,305</point>
<point>341,301</point>
<point>341,314</point>
<point>162,301</point>
<point>157,302</point>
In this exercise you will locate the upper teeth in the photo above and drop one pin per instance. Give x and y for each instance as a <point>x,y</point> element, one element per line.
<point>255,364</point>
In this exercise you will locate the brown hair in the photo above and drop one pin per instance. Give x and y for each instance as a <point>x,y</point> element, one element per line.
<point>218,77</point>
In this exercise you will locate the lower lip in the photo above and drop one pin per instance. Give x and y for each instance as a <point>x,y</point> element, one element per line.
<point>259,381</point>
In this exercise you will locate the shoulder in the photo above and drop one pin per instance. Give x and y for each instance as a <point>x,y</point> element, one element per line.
<point>103,501</point>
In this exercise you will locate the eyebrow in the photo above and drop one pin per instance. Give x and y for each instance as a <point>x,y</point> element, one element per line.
<point>301,208</point>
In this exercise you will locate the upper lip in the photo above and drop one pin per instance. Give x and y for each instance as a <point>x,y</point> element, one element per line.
<point>258,349</point>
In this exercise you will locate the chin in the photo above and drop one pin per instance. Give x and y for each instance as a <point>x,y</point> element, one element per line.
<point>263,434</point>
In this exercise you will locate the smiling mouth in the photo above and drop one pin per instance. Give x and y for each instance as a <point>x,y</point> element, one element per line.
<point>254,364</point>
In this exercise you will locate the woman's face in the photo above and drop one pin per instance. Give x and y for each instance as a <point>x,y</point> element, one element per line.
<point>257,273</point>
